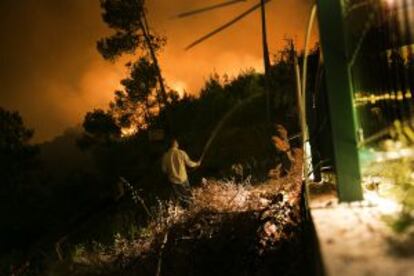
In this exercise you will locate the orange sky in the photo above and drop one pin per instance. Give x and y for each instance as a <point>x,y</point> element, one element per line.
<point>52,74</point>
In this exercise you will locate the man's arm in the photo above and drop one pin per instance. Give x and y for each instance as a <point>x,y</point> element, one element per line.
<point>189,162</point>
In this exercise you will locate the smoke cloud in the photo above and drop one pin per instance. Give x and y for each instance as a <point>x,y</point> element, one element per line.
<point>52,74</point>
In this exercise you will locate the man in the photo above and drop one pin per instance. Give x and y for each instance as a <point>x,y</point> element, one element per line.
<point>174,164</point>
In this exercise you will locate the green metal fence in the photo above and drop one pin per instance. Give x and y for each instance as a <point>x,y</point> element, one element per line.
<point>368,57</point>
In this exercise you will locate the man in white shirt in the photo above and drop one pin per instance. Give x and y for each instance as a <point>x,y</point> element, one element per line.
<point>174,163</point>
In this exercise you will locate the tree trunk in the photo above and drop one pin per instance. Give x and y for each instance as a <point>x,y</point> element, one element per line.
<point>266,58</point>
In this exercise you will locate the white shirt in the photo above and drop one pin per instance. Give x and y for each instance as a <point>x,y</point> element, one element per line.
<point>174,164</point>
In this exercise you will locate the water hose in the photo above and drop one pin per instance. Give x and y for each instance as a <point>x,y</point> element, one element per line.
<point>224,120</point>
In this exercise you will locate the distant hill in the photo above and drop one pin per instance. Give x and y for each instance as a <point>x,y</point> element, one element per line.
<point>62,155</point>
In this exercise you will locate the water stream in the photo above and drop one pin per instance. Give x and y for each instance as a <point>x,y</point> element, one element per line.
<point>224,119</point>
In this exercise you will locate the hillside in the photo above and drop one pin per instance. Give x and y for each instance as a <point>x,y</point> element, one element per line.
<point>230,229</point>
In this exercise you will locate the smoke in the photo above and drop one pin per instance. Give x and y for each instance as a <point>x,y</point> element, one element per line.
<point>49,69</point>
<point>52,74</point>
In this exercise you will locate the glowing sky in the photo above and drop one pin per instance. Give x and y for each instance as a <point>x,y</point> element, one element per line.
<point>52,74</point>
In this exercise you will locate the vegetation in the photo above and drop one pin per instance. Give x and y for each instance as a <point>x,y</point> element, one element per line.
<point>143,93</point>
<point>232,228</point>
<point>395,182</point>
<point>16,153</point>
<point>64,206</point>
<point>62,212</point>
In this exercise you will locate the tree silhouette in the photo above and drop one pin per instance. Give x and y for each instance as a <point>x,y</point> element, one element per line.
<point>132,32</point>
<point>126,18</point>
<point>100,127</point>
<point>15,150</point>
<point>143,94</point>
<point>135,106</point>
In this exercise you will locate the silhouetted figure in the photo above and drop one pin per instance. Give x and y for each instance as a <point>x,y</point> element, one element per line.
<point>282,145</point>
<point>174,163</point>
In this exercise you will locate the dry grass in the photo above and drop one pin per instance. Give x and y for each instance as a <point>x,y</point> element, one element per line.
<point>218,197</point>
<point>227,196</point>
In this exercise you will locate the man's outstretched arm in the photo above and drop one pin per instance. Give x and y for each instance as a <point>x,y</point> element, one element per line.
<point>189,162</point>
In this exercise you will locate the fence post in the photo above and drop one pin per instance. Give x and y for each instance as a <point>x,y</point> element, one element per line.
<point>340,99</point>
